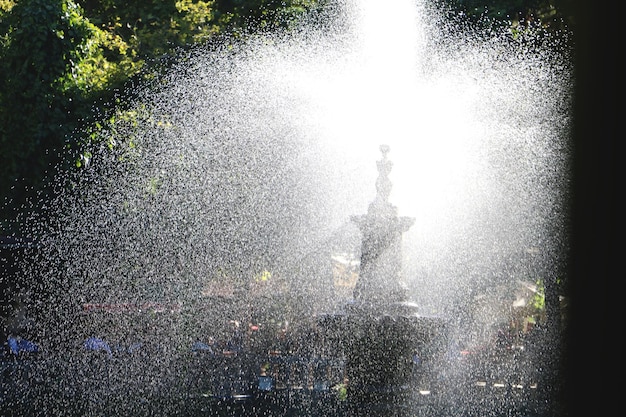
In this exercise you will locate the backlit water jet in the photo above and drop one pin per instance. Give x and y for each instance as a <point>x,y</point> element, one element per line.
<point>224,191</point>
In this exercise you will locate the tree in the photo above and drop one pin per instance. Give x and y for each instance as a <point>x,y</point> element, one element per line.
<point>550,13</point>
<point>53,64</point>
<point>64,64</point>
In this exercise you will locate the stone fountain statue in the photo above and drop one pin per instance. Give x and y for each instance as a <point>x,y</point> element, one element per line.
<point>381,330</point>
<point>379,282</point>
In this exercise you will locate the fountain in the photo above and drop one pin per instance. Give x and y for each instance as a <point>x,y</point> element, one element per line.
<point>380,282</point>
<point>381,329</point>
<point>216,198</point>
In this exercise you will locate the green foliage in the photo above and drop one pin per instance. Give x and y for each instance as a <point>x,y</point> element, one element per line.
<point>196,21</point>
<point>538,301</point>
<point>41,40</point>
<point>149,28</point>
<point>262,14</point>
<point>553,14</point>
<point>54,64</point>
<point>64,61</point>
<point>263,276</point>
<point>5,6</point>
<point>153,28</point>
<point>342,391</point>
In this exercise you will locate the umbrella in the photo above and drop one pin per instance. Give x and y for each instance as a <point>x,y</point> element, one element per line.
<point>17,345</point>
<point>96,344</point>
<point>201,346</point>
